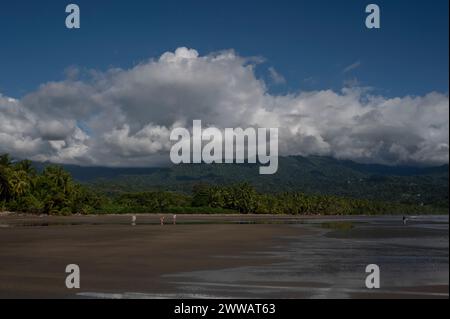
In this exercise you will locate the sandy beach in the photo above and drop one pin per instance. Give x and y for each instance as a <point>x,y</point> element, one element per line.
<point>219,256</point>
<point>116,255</point>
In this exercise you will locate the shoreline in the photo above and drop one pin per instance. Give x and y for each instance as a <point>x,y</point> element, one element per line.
<point>252,215</point>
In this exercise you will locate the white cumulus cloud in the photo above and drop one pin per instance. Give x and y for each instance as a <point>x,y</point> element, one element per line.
<point>124,117</point>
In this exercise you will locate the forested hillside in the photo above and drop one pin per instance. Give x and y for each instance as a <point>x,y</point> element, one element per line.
<point>310,175</point>
<point>304,186</point>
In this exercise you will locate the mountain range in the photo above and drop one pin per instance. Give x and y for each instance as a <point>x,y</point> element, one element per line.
<point>310,175</point>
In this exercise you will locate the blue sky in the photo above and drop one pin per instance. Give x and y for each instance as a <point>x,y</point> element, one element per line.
<point>310,43</point>
<point>310,68</point>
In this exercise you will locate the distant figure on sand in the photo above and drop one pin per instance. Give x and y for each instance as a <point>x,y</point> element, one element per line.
<point>174,219</point>
<point>162,220</point>
<point>405,220</point>
<point>133,220</point>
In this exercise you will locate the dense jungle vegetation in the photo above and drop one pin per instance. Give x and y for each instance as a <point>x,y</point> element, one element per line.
<point>52,190</point>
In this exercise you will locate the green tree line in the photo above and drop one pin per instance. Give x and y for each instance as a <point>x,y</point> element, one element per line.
<point>244,199</point>
<point>53,191</point>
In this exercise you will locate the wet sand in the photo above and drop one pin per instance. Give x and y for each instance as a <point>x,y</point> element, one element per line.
<point>115,256</point>
<point>227,256</point>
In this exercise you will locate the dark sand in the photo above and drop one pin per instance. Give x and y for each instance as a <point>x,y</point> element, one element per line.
<point>222,256</point>
<point>115,256</point>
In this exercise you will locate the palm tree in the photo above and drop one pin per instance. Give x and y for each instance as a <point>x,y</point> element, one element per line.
<point>59,178</point>
<point>5,190</point>
<point>5,160</point>
<point>27,167</point>
<point>19,183</point>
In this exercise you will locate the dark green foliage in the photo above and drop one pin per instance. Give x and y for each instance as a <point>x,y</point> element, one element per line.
<point>243,198</point>
<point>51,192</point>
<point>310,175</point>
<point>152,202</point>
<point>200,196</point>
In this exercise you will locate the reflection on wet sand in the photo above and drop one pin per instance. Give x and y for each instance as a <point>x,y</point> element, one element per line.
<point>224,256</point>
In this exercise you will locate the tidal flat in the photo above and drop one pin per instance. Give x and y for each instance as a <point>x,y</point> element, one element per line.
<point>223,256</point>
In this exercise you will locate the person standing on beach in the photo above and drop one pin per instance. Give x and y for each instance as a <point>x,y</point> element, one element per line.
<point>162,220</point>
<point>174,219</point>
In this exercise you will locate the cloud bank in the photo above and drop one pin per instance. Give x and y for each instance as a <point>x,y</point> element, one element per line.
<point>124,117</point>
